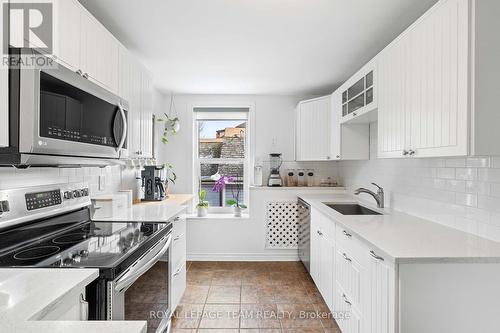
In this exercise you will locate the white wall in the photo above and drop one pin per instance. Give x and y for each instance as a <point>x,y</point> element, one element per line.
<point>463,193</point>
<point>274,127</point>
<point>238,239</point>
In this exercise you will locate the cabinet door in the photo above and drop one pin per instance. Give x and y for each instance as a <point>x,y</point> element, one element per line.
<point>437,84</point>
<point>327,279</point>
<point>178,285</point>
<point>313,130</point>
<point>89,45</point>
<point>147,116</point>
<point>393,119</point>
<point>336,130</point>
<point>315,248</point>
<point>68,49</point>
<point>382,296</point>
<point>4,97</point>
<point>135,114</point>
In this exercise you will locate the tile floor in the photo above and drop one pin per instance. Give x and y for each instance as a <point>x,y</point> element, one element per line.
<point>251,297</point>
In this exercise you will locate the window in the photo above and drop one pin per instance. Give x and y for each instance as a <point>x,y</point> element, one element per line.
<point>222,150</point>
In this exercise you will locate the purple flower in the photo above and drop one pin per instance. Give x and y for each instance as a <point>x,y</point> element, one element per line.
<point>221,183</point>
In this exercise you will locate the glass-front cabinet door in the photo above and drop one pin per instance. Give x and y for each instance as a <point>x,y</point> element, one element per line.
<point>358,93</point>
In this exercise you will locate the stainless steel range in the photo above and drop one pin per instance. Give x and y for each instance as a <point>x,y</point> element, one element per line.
<point>50,227</point>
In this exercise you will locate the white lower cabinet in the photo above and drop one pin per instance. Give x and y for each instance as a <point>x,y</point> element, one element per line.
<point>322,255</point>
<point>178,260</point>
<point>358,285</point>
<point>72,307</point>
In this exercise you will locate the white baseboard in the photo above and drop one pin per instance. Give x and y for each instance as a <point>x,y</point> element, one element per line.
<point>242,257</point>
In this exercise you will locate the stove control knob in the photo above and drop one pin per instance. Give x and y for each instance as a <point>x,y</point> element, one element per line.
<point>68,262</point>
<point>76,194</point>
<point>84,253</point>
<point>86,192</point>
<point>68,195</point>
<point>82,192</point>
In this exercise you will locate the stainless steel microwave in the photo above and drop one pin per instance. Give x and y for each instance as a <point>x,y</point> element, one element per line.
<point>59,118</point>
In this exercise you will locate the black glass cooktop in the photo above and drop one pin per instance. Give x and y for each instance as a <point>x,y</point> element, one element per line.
<point>74,241</point>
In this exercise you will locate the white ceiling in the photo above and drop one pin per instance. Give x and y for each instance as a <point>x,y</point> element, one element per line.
<point>255,46</point>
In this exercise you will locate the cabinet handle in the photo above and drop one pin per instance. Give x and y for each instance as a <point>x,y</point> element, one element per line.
<point>319,232</point>
<point>346,257</point>
<point>354,114</point>
<point>178,237</point>
<point>177,218</point>
<point>84,308</point>
<point>86,75</point>
<point>338,156</point>
<point>79,72</point>
<point>347,234</point>
<point>177,272</point>
<point>374,255</point>
<point>411,152</point>
<point>405,152</point>
<point>346,300</point>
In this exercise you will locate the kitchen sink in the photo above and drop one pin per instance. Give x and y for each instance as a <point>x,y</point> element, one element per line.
<point>352,209</point>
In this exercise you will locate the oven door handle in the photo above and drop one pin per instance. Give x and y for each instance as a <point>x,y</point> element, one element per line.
<point>124,128</point>
<point>131,276</point>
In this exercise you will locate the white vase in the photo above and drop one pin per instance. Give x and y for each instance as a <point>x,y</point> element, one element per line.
<point>237,211</point>
<point>202,211</point>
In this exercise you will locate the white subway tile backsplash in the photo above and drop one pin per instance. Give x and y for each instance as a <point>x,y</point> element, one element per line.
<point>466,173</point>
<point>446,173</point>
<point>463,193</point>
<point>466,199</point>
<point>478,162</point>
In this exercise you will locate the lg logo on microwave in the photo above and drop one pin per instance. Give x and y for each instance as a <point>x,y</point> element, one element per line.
<point>28,25</point>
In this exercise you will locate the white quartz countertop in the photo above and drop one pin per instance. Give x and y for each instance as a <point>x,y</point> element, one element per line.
<point>406,238</point>
<point>160,211</point>
<point>26,294</point>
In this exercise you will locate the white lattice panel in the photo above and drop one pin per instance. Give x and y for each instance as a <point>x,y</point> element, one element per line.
<point>282,225</point>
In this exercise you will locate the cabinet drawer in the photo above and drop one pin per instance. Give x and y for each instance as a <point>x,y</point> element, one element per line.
<point>356,248</point>
<point>349,275</point>
<point>179,225</point>
<point>178,284</point>
<point>351,320</point>
<point>178,249</point>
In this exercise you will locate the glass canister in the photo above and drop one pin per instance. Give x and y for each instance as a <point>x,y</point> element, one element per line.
<point>301,178</point>
<point>291,178</point>
<point>311,181</point>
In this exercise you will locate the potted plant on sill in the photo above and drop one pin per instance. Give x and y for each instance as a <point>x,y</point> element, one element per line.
<point>221,183</point>
<point>202,205</point>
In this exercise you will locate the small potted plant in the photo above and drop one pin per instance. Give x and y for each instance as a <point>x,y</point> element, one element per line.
<point>235,202</point>
<point>202,205</point>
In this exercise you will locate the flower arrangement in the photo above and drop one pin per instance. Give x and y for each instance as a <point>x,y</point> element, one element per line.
<point>220,184</point>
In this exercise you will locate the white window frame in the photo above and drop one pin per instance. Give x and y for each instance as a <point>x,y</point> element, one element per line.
<point>249,152</point>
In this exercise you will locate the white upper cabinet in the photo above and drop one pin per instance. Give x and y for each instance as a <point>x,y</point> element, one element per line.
<point>313,130</point>
<point>359,95</point>
<point>85,46</point>
<point>147,115</point>
<point>67,46</point>
<point>438,83</point>
<point>322,137</point>
<point>4,97</point>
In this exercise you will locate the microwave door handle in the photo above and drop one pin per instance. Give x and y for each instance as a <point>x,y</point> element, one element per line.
<point>130,277</point>
<point>124,128</point>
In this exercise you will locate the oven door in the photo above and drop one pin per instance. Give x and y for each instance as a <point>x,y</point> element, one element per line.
<point>63,113</point>
<point>142,291</point>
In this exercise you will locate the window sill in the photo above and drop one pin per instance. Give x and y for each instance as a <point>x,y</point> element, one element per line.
<point>218,216</point>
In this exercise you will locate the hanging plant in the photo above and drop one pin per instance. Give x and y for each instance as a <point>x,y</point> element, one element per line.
<point>171,122</point>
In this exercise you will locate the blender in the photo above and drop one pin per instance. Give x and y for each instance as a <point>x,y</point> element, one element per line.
<point>274,179</point>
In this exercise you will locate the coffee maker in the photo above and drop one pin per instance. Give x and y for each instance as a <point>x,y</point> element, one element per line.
<point>154,178</point>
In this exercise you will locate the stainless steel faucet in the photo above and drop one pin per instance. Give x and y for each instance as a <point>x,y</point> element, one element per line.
<point>379,196</point>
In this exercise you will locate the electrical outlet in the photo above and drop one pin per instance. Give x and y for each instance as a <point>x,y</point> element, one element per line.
<point>102,182</point>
